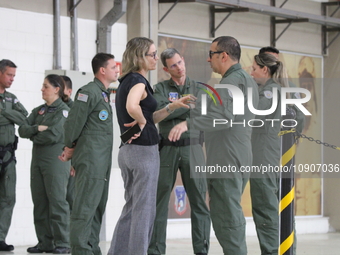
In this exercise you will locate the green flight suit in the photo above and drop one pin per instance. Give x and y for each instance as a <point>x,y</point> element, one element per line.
<point>89,129</point>
<point>71,182</point>
<point>184,158</point>
<point>49,175</point>
<point>228,145</point>
<point>11,112</point>
<point>264,186</point>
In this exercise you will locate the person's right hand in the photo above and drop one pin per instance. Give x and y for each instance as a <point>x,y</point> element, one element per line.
<point>42,128</point>
<point>67,154</point>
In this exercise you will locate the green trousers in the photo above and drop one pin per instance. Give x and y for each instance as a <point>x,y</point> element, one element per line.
<point>227,215</point>
<point>51,210</point>
<point>265,208</point>
<point>7,197</point>
<point>184,158</point>
<point>70,191</point>
<point>91,193</point>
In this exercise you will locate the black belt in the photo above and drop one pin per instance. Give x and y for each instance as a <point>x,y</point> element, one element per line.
<point>181,142</point>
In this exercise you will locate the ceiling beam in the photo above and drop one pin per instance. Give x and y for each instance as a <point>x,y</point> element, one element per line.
<point>274,11</point>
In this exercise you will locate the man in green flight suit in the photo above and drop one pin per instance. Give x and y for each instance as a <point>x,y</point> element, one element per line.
<point>228,145</point>
<point>88,141</point>
<point>182,155</point>
<point>11,112</point>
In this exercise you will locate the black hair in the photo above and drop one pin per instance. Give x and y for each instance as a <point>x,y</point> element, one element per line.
<point>100,60</point>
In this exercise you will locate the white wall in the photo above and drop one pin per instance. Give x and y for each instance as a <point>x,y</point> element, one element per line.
<point>27,40</point>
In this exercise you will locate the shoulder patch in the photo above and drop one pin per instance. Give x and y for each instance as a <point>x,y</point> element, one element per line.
<point>16,101</point>
<point>65,113</point>
<point>82,97</point>
<point>268,94</point>
<point>103,115</point>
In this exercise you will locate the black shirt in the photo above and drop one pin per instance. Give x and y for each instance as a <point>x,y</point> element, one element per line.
<point>149,135</point>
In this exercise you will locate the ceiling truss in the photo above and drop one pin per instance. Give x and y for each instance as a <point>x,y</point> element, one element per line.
<point>278,15</point>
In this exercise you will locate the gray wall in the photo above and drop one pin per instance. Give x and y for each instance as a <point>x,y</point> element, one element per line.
<point>331,130</point>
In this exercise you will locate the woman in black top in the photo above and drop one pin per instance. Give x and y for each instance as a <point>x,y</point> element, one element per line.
<point>138,159</point>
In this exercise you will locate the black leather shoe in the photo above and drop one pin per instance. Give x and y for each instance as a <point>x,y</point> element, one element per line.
<point>201,253</point>
<point>61,250</point>
<point>35,249</point>
<point>6,247</point>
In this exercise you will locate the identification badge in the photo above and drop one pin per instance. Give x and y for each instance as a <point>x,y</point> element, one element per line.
<point>65,113</point>
<point>105,97</point>
<point>51,109</point>
<point>8,99</point>
<point>173,96</point>
<point>268,94</point>
<point>103,115</point>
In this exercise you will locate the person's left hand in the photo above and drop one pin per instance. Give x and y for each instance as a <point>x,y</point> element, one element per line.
<point>177,131</point>
<point>131,124</point>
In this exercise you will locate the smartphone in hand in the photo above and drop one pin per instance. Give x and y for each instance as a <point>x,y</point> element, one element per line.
<point>128,134</point>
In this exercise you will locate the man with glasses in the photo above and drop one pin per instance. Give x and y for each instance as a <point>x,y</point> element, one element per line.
<point>228,146</point>
<point>178,155</point>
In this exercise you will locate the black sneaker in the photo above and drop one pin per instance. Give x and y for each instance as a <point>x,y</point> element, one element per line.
<point>6,247</point>
<point>61,250</point>
<point>35,249</point>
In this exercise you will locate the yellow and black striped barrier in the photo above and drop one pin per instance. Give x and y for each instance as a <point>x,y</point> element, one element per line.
<point>286,205</point>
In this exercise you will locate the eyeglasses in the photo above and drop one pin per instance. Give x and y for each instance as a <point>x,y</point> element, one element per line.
<point>153,54</point>
<point>215,52</point>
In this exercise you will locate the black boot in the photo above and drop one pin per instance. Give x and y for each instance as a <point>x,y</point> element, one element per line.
<point>6,247</point>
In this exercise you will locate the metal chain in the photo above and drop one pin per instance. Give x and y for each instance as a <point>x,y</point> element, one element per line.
<point>311,139</point>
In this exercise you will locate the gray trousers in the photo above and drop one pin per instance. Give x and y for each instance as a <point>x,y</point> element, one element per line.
<point>140,168</point>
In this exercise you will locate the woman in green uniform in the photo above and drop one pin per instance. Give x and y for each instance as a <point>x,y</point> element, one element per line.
<point>49,175</point>
<point>270,74</point>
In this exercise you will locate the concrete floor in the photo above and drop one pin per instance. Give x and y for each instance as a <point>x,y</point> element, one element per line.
<point>311,244</point>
